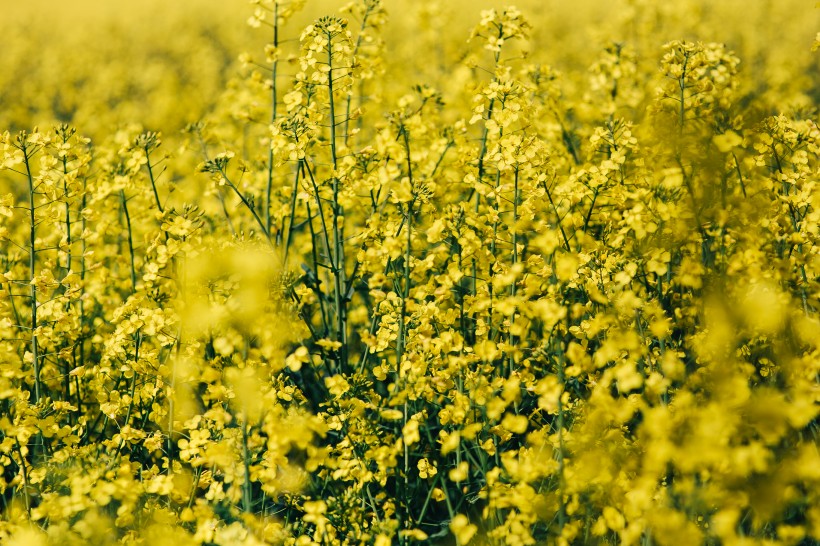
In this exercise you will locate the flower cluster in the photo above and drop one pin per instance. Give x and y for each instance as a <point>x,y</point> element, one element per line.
<point>519,302</point>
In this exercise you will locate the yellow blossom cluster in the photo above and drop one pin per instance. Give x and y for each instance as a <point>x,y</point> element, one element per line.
<point>410,272</point>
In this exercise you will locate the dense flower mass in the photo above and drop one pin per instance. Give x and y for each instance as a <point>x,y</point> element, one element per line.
<point>386,278</point>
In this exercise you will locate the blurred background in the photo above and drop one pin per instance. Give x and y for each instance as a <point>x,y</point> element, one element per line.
<point>98,63</point>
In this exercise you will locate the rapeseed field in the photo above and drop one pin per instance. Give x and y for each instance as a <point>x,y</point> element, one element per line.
<point>399,272</point>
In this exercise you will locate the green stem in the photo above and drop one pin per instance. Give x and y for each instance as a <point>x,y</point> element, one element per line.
<point>124,202</point>
<point>514,255</point>
<point>682,86</point>
<point>292,216</point>
<point>152,179</point>
<point>25,478</point>
<point>314,254</point>
<point>557,216</point>
<point>739,174</point>
<point>84,249</point>
<point>67,215</point>
<point>362,28</point>
<point>338,259</point>
<point>560,425</point>
<point>274,101</point>
<point>246,485</point>
<point>248,205</point>
<point>32,262</point>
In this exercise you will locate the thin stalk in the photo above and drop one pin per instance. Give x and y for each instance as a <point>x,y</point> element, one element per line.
<point>450,510</point>
<point>66,369</point>
<point>79,399</point>
<point>514,254</point>
<point>124,202</point>
<point>25,478</point>
<point>225,212</point>
<point>67,215</point>
<point>429,496</point>
<point>485,134</point>
<point>32,263</point>
<point>246,485</point>
<point>739,174</point>
<point>567,137</point>
<point>331,105</point>
<point>194,485</point>
<point>591,208</point>
<point>292,216</point>
<point>515,221</point>
<point>461,294</point>
<point>560,425</point>
<point>557,216</point>
<point>152,179</point>
<point>404,514</point>
<point>356,48</point>
<point>14,311</point>
<point>83,267</point>
<point>374,321</point>
<point>321,213</point>
<point>338,260</point>
<point>491,266</point>
<point>248,205</point>
<point>172,399</point>
<point>481,156</point>
<point>315,270</point>
<point>407,252</point>
<point>682,86</point>
<point>274,102</point>
<point>132,391</point>
<point>66,377</point>
<point>705,259</point>
<point>400,346</point>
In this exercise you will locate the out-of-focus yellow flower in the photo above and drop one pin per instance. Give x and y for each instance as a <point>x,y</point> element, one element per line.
<point>462,529</point>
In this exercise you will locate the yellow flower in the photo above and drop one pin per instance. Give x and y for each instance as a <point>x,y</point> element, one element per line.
<point>462,529</point>
<point>426,470</point>
<point>517,424</point>
<point>460,472</point>
<point>410,432</point>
